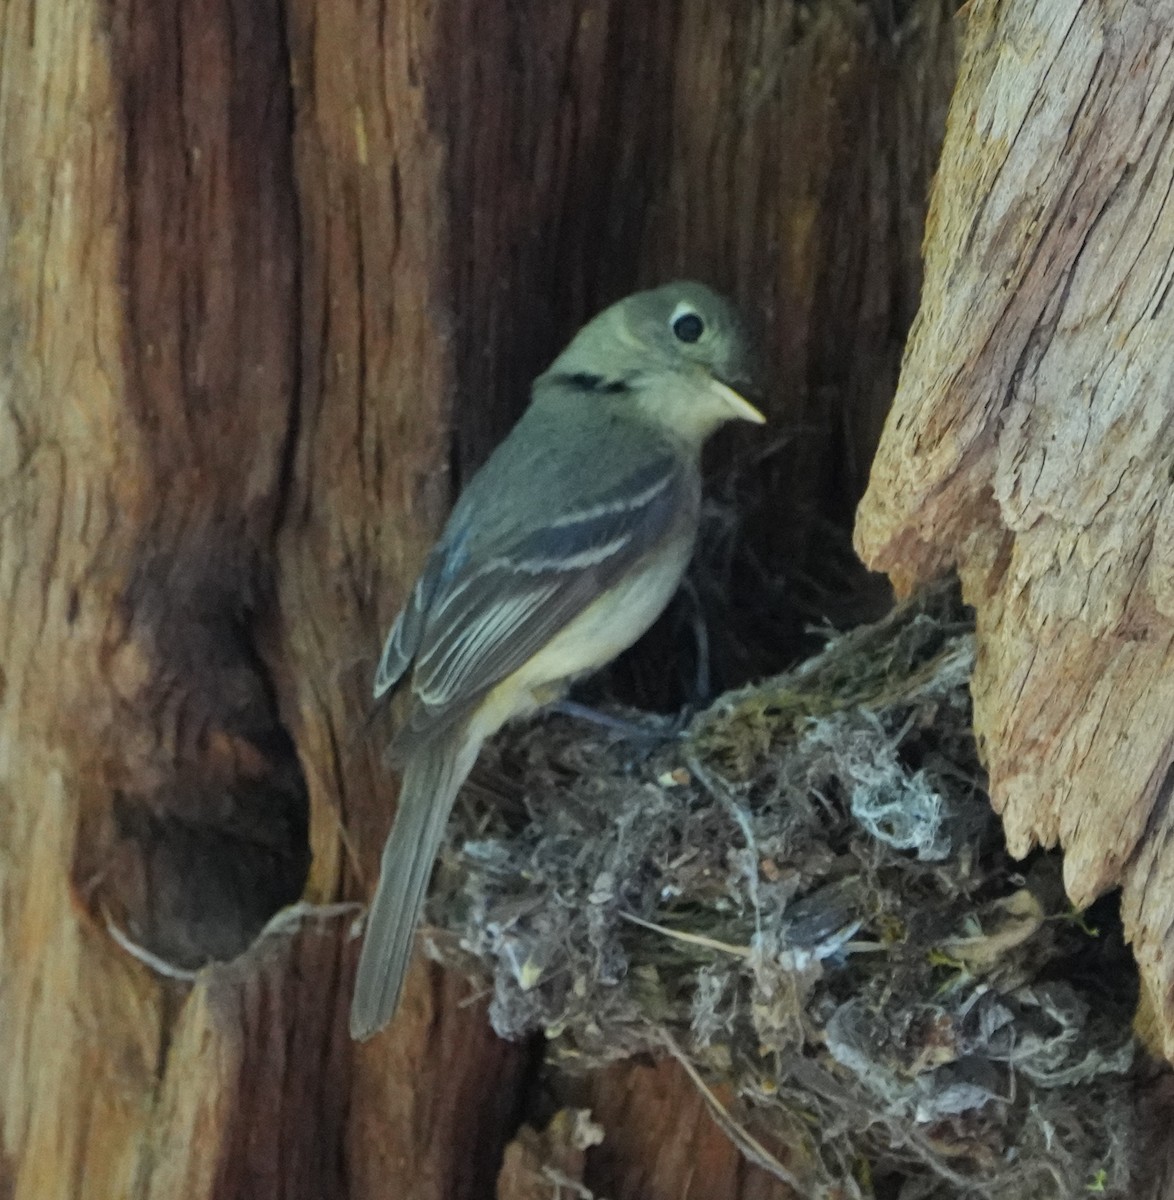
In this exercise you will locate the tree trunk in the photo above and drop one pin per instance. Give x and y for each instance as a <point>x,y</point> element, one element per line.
<point>1031,440</point>
<point>270,274</point>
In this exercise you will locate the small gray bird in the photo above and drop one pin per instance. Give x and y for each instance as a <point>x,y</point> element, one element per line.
<point>563,549</point>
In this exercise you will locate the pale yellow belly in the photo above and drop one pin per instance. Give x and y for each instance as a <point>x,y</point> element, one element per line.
<point>608,626</point>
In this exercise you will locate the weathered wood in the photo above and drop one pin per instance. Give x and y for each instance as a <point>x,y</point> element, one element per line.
<point>1031,439</point>
<point>368,485</point>
<point>267,271</point>
<point>157,418</point>
<point>663,1144</point>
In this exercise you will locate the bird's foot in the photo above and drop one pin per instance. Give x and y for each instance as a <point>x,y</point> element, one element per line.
<point>658,728</point>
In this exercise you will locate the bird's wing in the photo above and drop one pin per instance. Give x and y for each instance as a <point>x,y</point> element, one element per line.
<point>404,639</point>
<point>489,617</point>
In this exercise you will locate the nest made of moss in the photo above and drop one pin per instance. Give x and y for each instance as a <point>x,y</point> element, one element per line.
<point>806,896</point>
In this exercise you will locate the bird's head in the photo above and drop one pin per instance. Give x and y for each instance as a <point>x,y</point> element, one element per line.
<point>679,354</point>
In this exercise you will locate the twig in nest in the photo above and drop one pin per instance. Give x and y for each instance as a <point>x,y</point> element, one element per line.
<point>694,939</point>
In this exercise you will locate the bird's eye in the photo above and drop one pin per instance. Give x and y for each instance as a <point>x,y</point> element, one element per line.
<point>687,325</point>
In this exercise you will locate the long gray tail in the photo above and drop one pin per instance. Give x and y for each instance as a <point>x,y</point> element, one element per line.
<point>433,774</point>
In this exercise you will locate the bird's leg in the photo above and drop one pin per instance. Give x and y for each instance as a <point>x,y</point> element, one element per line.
<point>630,729</point>
<point>700,630</point>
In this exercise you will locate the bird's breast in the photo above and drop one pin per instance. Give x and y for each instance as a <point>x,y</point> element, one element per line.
<point>609,625</point>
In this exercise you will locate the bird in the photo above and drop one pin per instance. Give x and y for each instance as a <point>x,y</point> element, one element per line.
<point>560,552</point>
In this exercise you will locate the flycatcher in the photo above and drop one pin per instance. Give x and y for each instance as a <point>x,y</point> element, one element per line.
<point>561,551</point>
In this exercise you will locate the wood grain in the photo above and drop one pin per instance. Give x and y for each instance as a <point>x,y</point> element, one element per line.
<point>274,280</point>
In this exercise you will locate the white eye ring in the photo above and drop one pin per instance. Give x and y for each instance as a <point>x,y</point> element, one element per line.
<point>686,323</point>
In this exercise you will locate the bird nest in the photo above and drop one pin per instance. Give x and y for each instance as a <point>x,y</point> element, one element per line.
<point>805,898</point>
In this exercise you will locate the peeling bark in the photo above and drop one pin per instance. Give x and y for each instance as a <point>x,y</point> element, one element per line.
<point>1031,441</point>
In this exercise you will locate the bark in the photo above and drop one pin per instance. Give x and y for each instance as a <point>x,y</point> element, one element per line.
<point>1031,439</point>
<point>661,1143</point>
<point>156,580</point>
<point>268,274</point>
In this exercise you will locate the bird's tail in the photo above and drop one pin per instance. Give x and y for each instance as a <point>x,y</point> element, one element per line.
<point>433,774</point>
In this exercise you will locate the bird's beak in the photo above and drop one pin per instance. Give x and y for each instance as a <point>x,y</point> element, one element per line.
<point>743,410</point>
